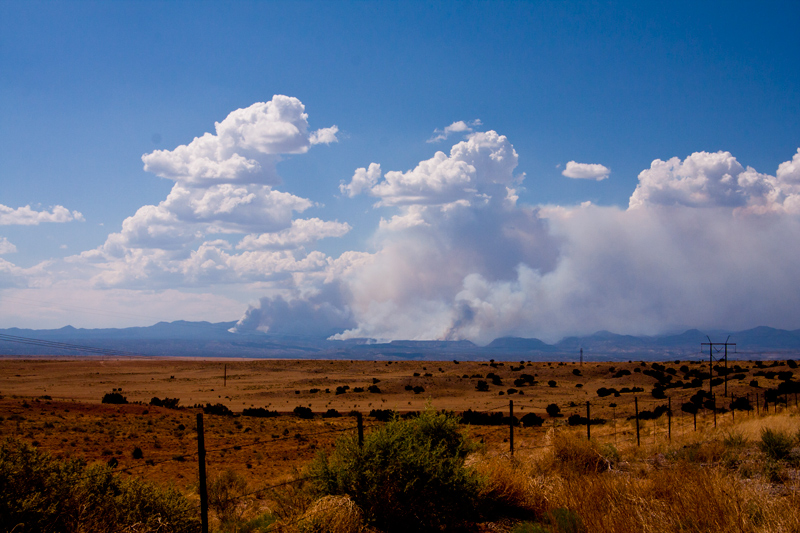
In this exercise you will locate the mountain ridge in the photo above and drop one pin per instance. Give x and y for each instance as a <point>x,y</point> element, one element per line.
<point>207,339</point>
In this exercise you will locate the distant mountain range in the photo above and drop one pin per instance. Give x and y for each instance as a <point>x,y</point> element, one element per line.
<point>204,339</point>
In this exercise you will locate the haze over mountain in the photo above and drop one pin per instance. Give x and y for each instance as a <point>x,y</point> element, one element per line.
<point>203,339</point>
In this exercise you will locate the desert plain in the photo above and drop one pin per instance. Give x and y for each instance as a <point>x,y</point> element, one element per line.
<point>56,403</point>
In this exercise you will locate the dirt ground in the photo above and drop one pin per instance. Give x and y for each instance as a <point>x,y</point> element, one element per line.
<point>56,403</point>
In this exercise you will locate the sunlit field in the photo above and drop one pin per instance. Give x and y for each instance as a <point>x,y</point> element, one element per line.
<point>266,422</point>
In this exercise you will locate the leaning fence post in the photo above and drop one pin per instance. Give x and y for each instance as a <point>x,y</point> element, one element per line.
<point>360,425</point>
<point>511,425</point>
<point>636,405</point>
<point>201,460</point>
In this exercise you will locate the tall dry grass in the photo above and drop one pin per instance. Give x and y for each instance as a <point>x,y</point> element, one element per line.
<point>713,480</point>
<point>675,499</point>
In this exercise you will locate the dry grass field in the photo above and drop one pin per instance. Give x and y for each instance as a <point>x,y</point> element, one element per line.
<point>56,404</point>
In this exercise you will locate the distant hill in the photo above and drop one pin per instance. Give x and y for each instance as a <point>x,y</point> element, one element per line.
<point>205,339</point>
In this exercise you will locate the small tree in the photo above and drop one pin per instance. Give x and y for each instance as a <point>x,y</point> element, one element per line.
<point>553,410</point>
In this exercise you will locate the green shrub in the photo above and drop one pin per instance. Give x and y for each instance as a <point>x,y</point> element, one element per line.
<point>529,527</point>
<point>734,441</point>
<point>773,472</point>
<point>408,476</point>
<point>775,443</point>
<point>556,521</point>
<point>49,495</point>
<point>260,523</point>
<point>565,521</point>
<point>114,398</point>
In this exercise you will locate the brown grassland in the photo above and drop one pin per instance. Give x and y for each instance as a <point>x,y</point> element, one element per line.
<point>719,477</point>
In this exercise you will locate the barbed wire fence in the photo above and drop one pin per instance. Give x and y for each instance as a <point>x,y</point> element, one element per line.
<point>658,418</point>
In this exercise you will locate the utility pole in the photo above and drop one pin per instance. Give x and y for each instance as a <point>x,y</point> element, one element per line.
<point>581,356</point>
<point>711,362</point>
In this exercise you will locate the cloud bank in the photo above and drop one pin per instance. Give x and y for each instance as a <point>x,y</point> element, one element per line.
<point>704,241</point>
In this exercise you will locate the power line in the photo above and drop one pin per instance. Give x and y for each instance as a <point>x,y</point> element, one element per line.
<point>67,346</point>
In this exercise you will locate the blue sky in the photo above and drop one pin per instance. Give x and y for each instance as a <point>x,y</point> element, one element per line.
<point>88,88</point>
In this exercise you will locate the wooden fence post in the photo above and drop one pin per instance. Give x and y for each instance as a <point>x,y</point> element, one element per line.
<point>588,422</point>
<point>636,405</point>
<point>511,425</point>
<point>360,426</point>
<point>201,460</point>
<point>669,418</point>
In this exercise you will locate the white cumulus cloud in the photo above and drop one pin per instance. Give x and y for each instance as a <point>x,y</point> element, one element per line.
<point>324,136</point>
<point>25,216</point>
<point>718,180</point>
<point>302,232</point>
<point>363,180</point>
<point>225,185</point>
<point>6,247</point>
<point>470,172</point>
<point>245,147</point>
<point>586,171</point>
<point>456,127</point>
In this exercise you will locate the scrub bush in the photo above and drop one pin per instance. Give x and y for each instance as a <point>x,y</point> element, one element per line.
<point>50,495</point>
<point>775,444</point>
<point>408,476</point>
<point>114,398</point>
